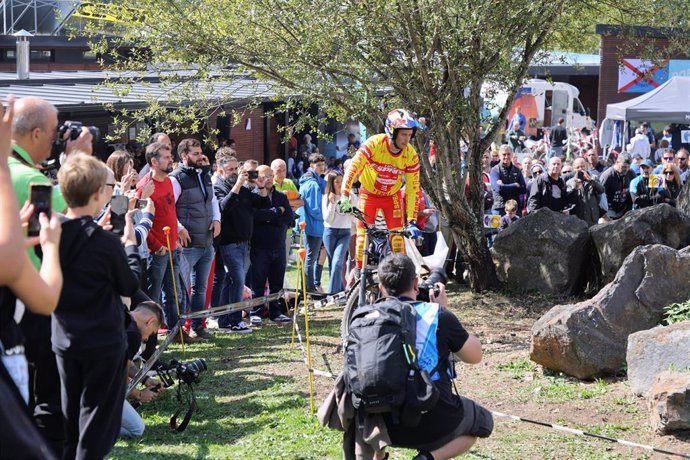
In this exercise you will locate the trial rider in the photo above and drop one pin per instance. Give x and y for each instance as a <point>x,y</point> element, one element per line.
<point>381,163</point>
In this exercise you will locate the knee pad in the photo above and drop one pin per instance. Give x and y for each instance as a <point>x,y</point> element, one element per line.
<point>398,244</point>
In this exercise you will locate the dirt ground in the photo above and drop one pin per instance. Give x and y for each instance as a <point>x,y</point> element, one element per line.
<point>507,381</point>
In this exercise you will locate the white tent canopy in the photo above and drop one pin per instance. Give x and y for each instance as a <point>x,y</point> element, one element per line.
<point>669,103</point>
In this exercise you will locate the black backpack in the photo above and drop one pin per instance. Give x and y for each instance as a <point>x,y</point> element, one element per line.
<point>381,370</point>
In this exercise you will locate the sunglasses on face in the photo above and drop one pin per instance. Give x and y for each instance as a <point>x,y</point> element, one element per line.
<point>668,173</point>
<point>682,159</point>
<point>668,158</point>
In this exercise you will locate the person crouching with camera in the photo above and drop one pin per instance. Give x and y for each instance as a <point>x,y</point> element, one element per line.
<point>453,425</point>
<point>88,325</point>
<point>142,322</point>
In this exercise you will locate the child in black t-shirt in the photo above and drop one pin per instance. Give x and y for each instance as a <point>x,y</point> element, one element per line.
<point>88,325</point>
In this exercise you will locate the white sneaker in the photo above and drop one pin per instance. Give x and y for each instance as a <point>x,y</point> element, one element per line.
<point>282,319</point>
<point>239,328</point>
<point>255,320</point>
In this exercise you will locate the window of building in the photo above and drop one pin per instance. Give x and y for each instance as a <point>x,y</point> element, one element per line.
<point>35,56</point>
<point>90,55</point>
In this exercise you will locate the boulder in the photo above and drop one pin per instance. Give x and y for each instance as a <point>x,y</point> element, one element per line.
<point>654,351</point>
<point>589,339</point>
<point>661,224</point>
<point>544,251</point>
<point>669,402</point>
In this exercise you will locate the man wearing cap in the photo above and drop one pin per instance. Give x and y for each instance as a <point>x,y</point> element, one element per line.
<point>642,193</point>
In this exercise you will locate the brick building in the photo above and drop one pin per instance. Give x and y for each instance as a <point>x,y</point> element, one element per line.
<point>630,44</point>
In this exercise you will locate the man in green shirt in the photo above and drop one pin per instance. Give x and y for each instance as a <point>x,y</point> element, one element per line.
<point>34,130</point>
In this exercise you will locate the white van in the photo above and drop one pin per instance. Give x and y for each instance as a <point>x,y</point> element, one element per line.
<point>542,103</point>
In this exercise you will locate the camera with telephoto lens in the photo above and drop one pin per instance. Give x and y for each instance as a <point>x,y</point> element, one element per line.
<point>185,372</point>
<point>74,130</point>
<point>189,372</point>
<point>438,275</point>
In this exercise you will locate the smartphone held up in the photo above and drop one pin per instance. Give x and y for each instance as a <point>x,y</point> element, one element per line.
<point>41,196</point>
<point>119,205</point>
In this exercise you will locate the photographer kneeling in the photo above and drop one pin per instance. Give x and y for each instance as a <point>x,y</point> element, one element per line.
<point>143,322</point>
<point>452,426</point>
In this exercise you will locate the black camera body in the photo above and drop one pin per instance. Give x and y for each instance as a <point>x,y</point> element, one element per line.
<point>185,372</point>
<point>189,372</point>
<point>438,275</point>
<point>74,130</point>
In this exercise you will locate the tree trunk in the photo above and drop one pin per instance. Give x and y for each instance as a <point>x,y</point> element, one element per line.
<point>477,258</point>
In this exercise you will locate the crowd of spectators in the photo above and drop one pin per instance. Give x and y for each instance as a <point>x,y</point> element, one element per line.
<point>585,186</point>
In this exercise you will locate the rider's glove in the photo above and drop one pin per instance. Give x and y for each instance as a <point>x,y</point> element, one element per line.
<point>345,205</point>
<point>412,230</point>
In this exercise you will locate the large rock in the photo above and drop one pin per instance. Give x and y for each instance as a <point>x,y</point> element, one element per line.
<point>589,339</point>
<point>661,224</point>
<point>669,402</point>
<point>544,251</point>
<point>654,351</point>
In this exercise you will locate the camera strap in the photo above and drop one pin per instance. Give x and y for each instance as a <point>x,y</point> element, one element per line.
<point>22,160</point>
<point>191,401</point>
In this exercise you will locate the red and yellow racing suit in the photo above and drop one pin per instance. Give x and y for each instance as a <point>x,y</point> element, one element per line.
<point>380,173</point>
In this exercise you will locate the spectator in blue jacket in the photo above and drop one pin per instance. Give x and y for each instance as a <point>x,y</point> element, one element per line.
<point>311,187</point>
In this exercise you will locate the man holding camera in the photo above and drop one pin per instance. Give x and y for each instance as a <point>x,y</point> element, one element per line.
<point>235,195</point>
<point>34,132</point>
<point>143,322</point>
<point>548,190</point>
<point>587,191</point>
<point>455,422</point>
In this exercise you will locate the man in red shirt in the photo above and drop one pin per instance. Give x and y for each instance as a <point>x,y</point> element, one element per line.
<point>160,160</point>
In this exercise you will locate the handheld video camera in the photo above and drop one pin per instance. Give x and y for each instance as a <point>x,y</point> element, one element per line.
<point>438,275</point>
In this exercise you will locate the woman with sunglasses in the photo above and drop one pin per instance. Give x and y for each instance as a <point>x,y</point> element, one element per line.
<point>672,184</point>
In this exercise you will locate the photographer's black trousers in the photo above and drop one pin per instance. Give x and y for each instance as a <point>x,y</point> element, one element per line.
<point>44,380</point>
<point>93,392</point>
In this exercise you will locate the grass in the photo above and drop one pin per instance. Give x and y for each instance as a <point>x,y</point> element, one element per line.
<point>518,369</point>
<point>563,389</point>
<point>250,406</point>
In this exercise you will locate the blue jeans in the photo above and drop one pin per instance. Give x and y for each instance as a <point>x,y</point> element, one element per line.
<point>336,241</point>
<point>161,282</point>
<point>312,259</point>
<point>199,260</point>
<point>132,424</point>
<point>218,277</point>
<point>236,263</point>
<point>268,265</point>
